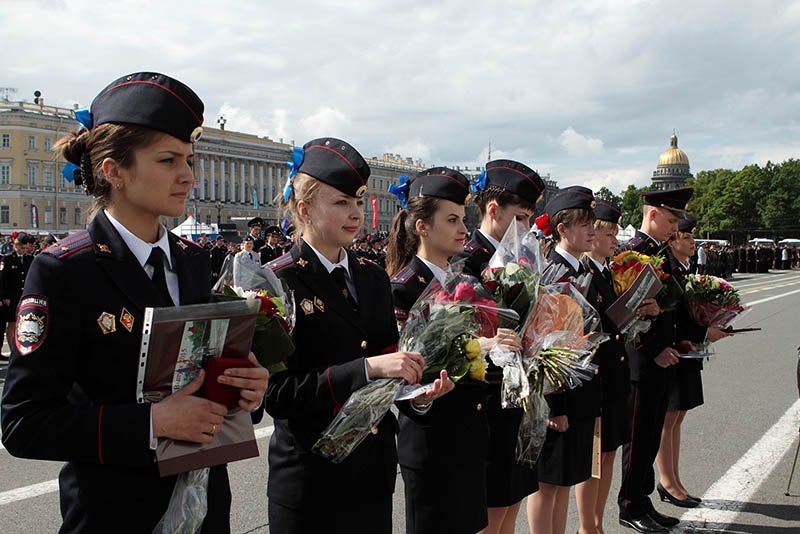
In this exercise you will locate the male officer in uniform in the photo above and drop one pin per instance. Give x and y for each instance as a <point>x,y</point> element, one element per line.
<point>254,226</point>
<point>651,365</point>
<point>271,249</point>
<point>14,267</point>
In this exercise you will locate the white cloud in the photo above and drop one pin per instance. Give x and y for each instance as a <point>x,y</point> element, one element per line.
<point>415,148</point>
<point>580,146</point>
<point>327,121</point>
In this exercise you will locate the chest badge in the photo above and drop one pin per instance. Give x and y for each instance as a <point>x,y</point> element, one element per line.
<point>319,304</point>
<point>126,319</point>
<point>107,323</point>
<point>302,263</point>
<point>307,306</point>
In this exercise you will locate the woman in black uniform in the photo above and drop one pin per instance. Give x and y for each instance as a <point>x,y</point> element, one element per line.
<point>345,336</point>
<point>507,192</point>
<point>592,493</point>
<point>71,385</point>
<point>441,448</point>
<point>686,385</point>
<point>566,457</point>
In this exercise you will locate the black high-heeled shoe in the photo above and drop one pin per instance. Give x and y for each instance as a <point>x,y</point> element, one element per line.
<point>667,497</point>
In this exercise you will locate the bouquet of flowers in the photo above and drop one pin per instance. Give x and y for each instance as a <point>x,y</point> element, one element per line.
<point>272,342</point>
<point>514,271</point>
<point>626,267</point>
<point>712,301</point>
<point>443,326</point>
<point>559,340</point>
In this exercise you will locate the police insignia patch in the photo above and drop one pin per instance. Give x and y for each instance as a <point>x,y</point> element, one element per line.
<point>307,306</point>
<point>31,323</point>
<point>126,319</point>
<point>107,322</point>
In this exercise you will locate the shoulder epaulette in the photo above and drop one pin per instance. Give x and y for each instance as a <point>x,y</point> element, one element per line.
<point>404,275</point>
<point>70,245</point>
<point>473,246</point>
<point>281,261</point>
<point>189,242</point>
<point>635,241</point>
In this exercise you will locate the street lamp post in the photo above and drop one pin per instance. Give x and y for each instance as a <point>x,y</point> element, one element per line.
<point>219,214</point>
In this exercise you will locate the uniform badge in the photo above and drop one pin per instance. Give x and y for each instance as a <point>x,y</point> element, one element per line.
<point>65,249</point>
<point>319,304</point>
<point>307,306</point>
<point>32,322</point>
<point>361,261</point>
<point>599,298</point>
<point>182,245</point>
<point>302,263</point>
<point>421,279</point>
<point>126,319</point>
<point>104,248</point>
<point>107,322</point>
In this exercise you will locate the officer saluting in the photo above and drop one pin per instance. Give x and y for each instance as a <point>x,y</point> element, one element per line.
<point>70,392</point>
<point>651,368</point>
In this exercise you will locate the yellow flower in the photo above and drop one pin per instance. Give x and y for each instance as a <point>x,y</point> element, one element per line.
<point>477,369</point>
<point>472,348</point>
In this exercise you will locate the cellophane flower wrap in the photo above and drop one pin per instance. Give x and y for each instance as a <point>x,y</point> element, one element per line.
<point>712,301</point>
<point>442,325</point>
<point>559,340</point>
<point>513,275</point>
<point>272,342</point>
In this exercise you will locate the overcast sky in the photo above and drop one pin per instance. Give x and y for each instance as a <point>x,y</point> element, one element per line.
<point>588,91</point>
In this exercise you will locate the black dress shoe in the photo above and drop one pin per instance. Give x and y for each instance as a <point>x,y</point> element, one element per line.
<point>661,519</point>
<point>698,500</point>
<point>641,524</point>
<point>668,497</point>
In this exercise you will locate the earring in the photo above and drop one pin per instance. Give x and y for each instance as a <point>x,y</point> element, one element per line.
<point>118,186</point>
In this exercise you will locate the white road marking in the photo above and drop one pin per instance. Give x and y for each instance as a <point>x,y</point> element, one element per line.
<point>727,496</point>
<point>43,488</point>
<point>773,297</point>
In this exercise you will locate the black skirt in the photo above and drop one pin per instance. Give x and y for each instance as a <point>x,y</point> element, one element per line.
<point>566,457</point>
<point>615,425</point>
<point>507,482</point>
<point>686,388</point>
<point>445,499</point>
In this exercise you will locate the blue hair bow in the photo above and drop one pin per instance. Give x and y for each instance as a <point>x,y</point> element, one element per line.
<point>68,171</point>
<point>297,159</point>
<point>401,191</point>
<point>480,183</point>
<point>84,117</point>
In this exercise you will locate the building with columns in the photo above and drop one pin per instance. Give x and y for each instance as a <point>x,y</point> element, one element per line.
<point>239,176</point>
<point>673,167</point>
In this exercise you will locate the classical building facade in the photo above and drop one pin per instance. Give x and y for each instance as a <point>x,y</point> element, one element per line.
<point>673,167</point>
<point>239,176</point>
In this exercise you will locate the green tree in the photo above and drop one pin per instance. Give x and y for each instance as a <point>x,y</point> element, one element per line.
<point>631,206</point>
<point>606,195</point>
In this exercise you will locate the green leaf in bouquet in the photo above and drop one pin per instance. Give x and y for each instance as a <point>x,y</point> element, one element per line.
<point>271,344</point>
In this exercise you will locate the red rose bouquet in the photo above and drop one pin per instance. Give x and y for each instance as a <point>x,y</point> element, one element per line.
<point>712,301</point>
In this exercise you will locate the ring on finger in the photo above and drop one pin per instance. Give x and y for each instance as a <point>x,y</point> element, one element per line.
<point>213,428</point>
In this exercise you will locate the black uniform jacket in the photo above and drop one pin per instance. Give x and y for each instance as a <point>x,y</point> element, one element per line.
<point>332,340</point>
<point>477,253</point>
<point>662,329</point>
<point>456,418</point>
<point>14,271</point>
<point>70,392</point>
<point>583,401</point>
<point>614,371</point>
<point>687,327</point>
<point>269,253</point>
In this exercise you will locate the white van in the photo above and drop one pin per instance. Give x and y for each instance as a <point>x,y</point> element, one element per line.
<point>790,242</point>
<point>760,241</point>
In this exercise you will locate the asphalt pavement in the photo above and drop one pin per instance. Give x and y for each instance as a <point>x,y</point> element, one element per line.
<point>737,449</point>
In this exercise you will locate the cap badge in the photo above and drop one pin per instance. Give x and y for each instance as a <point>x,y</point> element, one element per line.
<point>126,319</point>
<point>107,323</point>
<point>360,191</point>
<point>197,133</point>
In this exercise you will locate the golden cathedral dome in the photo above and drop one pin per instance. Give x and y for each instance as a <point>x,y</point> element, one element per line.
<point>673,155</point>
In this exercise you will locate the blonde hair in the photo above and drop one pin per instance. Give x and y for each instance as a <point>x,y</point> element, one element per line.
<point>306,188</point>
<point>600,224</point>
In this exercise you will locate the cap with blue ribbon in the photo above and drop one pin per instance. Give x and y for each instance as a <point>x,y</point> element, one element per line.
<point>294,166</point>
<point>401,190</point>
<point>480,182</point>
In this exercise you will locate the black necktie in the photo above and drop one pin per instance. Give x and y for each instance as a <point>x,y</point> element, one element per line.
<point>156,260</point>
<point>339,276</point>
<point>607,275</point>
